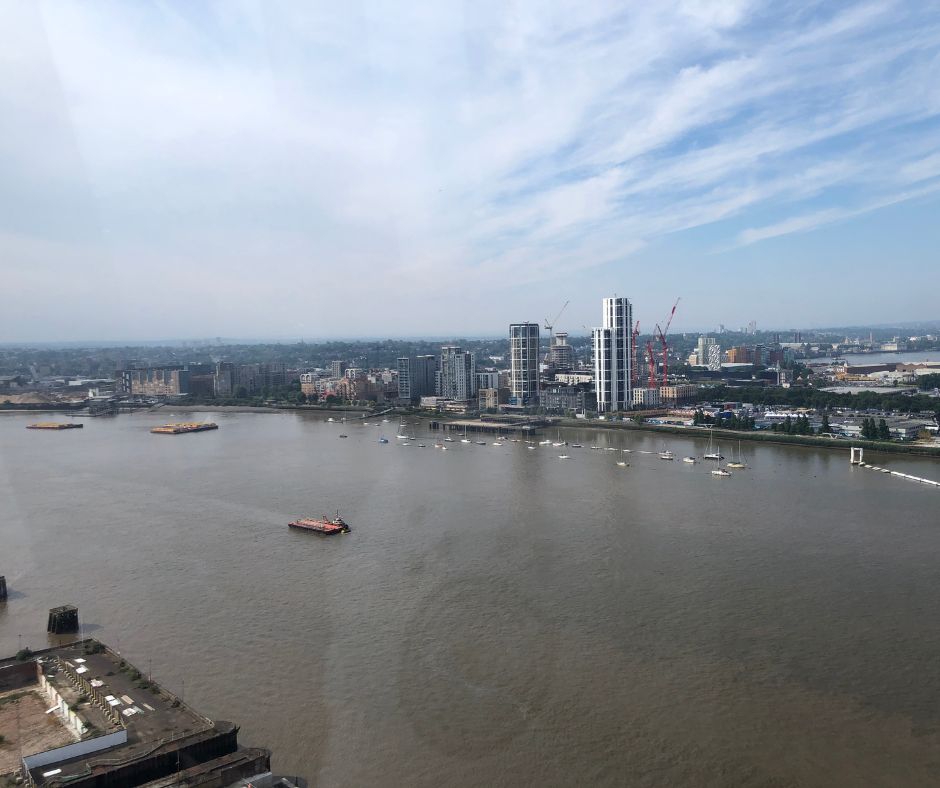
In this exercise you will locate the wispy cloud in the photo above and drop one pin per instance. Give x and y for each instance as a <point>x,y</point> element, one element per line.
<point>418,145</point>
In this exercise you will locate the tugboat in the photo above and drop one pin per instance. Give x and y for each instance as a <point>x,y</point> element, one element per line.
<point>324,525</point>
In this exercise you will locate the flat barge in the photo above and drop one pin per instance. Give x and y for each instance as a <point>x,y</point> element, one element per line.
<point>55,425</point>
<point>183,427</point>
<point>323,525</point>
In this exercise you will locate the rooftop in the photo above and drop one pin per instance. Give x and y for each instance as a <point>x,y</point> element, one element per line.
<point>99,697</point>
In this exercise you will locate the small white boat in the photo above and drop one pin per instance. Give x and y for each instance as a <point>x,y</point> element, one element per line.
<point>531,448</point>
<point>331,419</point>
<point>719,471</point>
<point>611,448</point>
<point>448,440</point>
<point>563,457</point>
<point>690,460</point>
<point>545,442</point>
<point>481,443</point>
<point>558,444</point>
<point>383,440</point>
<point>621,463</point>
<point>709,454</point>
<point>465,440</point>
<point>737,463</point>
<point>576,446</point>
<point>666,455</point>
<point>497,443</point>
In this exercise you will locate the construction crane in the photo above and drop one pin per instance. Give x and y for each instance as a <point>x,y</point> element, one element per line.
<point>549,325</point>
<point>651,360</point>
<point>634,371</point>
<point>665,345</point>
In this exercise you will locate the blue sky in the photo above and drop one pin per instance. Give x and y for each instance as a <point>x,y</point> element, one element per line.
<point>296,169</point>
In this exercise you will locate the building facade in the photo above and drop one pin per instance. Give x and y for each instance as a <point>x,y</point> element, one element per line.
<point>416,377</point>
<point>487,380</point>
<point>159,381</point>
<point>524,364</point>
<point>562,398</point>
<point>561,354</point>
<point>457,378</point>
<point>612,357</point>
<point>646,398</point>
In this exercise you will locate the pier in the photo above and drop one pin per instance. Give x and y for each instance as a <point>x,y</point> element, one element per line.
<point>857,457</point>
<point>526,426</point>
<point>63,619</point>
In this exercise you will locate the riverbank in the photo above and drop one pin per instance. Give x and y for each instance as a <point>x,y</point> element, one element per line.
<point>263,409</point>
<point>837,444</point>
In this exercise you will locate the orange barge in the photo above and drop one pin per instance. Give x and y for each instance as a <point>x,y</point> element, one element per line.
<point>183,427</point>
<point>323,525</point>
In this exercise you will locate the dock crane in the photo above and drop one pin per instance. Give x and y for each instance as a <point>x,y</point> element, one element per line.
<point>664,344</point>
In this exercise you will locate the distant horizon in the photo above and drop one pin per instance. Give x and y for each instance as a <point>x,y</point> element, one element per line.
<point>293,340</point>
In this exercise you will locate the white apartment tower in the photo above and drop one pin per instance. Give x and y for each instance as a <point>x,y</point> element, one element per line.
<point>612,358</point>
<point>524,357</point>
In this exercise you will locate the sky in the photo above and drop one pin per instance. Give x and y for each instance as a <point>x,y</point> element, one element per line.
<point>293,169</point>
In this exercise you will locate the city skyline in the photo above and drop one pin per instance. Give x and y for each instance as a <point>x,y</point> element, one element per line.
<point>256,169</point>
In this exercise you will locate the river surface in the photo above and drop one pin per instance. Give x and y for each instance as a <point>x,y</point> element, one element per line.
<point>497,617</point>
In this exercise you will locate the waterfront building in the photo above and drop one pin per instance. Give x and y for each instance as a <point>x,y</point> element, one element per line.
<point>416,377</point>
<point>646,398</point>
<point>524,363</point>
<point>561,354</point>
<point>488,399</point>
<point>681,392</point>
<point>457,374</point>
<point>224,379</point>
<point>612,357</point>
<point>308,384</point>
<point>337,368</point>
<point>78,725</point>
<point>159,381</point>
<point>563,398</point>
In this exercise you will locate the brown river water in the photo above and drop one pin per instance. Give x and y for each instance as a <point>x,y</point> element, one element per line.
<point>497,617</point>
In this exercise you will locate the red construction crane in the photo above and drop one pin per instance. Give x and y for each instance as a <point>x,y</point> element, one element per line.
<point>651,360</point>
<point>634,372</point>
<point>665,345</point>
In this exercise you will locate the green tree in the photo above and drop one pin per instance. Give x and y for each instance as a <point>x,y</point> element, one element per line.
<point>825,426</point>
<point>883,432</point>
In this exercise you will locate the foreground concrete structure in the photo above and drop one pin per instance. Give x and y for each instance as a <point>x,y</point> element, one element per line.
<point>103,724</point>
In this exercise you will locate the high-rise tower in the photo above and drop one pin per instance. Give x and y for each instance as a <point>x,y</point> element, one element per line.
<point>612,358</point>
<point>524,358</point>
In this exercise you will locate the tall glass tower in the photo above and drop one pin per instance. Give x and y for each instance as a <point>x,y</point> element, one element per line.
<point>524,357</point>
<point>612,357</point>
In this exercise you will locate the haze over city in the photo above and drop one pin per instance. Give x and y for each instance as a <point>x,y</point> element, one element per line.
<point>272,169</point>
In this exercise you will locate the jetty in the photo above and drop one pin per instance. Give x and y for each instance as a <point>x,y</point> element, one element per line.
<point>526,426</point>
<point>857,458</point>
